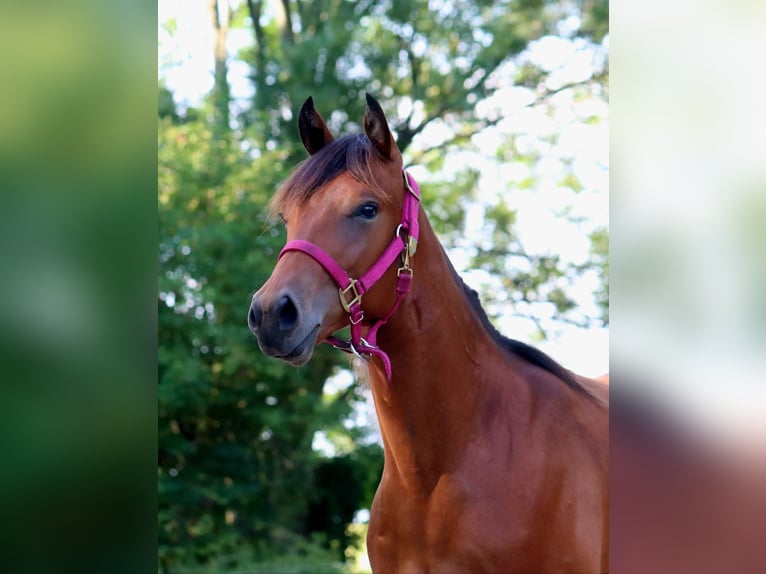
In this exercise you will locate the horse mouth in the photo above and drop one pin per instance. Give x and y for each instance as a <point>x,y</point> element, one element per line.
<point>302,352</point>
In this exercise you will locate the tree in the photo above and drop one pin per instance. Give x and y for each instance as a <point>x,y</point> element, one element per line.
<point>432,66</point>
<point>235,458</point>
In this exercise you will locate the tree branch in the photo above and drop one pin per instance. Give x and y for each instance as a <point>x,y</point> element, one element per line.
<point>477,126</point>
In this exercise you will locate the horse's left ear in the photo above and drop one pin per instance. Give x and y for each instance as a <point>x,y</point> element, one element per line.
<point>313,130</point>
<point>376,128</point>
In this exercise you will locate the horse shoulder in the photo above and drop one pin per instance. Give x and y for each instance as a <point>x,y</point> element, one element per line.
<point>568,440</point>
<point>395,533</point>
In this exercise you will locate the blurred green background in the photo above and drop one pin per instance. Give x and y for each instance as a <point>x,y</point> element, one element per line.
<point>267,468</point>
<point>77,285</point>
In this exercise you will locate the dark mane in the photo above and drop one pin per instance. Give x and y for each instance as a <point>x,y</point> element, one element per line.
<point>526,352</point>
<point>352,153</point>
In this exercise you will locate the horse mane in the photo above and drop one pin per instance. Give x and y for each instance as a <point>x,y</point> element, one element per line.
<point>353,153</point>
<point>517,348</point>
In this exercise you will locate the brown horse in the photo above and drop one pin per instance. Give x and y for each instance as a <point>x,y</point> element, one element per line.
<point>496,457</point>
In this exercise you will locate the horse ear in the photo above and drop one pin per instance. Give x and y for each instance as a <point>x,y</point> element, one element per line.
<point>376,128</point>
<point>314,132</point>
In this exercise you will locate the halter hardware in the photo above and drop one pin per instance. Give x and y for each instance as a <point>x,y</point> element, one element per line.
<point>347,285</point>
<point>357,296</point>
<point>408,186</point>
<point>412,246</point>
<point>409,251</point>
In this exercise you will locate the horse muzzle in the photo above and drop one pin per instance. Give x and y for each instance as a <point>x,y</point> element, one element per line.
<point>281,330</point>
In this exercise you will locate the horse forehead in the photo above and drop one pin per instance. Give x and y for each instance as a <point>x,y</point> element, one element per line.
<point>322,206</point>
<point>335,195</point>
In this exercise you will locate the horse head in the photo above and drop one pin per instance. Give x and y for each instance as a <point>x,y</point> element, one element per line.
<point>341,207</point>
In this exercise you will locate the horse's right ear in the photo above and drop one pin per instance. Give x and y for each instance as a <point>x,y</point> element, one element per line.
<point>314,132</point>
<point>376,128</point>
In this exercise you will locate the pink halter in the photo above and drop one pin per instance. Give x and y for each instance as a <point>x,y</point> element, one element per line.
<point>351,290</point>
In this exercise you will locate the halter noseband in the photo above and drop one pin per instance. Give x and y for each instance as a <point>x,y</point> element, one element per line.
<point>351,290</point>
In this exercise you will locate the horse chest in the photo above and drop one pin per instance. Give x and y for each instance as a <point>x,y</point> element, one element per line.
<point>422,534</point>
<point>480,522</point>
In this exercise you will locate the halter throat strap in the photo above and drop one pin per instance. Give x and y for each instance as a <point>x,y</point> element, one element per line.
<point>350,290</point>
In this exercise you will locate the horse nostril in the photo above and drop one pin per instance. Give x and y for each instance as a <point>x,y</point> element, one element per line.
<point>287,313</point>
<point>254,317</point>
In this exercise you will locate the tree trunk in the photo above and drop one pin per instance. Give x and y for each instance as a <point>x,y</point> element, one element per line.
<point>254,7</point>
<point>285,20</point>
<point>220,16</point>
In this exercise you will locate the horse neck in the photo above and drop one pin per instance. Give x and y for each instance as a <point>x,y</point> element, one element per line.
<point>428,411</point>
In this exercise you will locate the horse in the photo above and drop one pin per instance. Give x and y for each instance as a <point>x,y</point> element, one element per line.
<point>496,456</point>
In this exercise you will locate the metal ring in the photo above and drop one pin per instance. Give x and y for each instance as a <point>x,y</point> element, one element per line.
<point>353,349</point>
<point>365,343</point>
<point>361,318</point>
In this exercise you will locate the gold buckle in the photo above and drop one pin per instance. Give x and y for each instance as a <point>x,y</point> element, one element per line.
<point>407,185</point>
<point>343,292</point>
<point>409,251</point>
<point>412,245</point>
<point>404,270</point>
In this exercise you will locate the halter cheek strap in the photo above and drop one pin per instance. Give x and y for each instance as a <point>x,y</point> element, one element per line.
<point>351,290</point>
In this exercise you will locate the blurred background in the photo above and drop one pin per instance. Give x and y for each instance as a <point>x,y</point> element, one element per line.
<point>500,110</point>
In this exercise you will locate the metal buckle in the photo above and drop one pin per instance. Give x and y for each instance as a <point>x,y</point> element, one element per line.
<point>357,296</point>
<point>409,249</point>
<point>407,185</point>
<point>412,245</point>
<point>351,318</point>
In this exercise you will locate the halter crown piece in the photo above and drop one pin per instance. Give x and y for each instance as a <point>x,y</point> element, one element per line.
<point>351,290</point>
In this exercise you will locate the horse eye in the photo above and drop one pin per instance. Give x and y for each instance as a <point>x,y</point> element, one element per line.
<point>367,211</point>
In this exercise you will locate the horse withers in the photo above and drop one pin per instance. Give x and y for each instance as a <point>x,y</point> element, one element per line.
<point>496,457</point>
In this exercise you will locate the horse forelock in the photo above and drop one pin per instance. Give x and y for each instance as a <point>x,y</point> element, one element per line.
<point>353,154</point>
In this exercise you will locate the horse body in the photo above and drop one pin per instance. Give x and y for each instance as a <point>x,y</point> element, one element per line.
<point>492,464</point>
<point>495,456</point>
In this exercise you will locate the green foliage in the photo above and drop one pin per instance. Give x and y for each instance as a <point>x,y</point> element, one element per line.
<point>447,201</point>
<point>343,484</point>
<point>600,254</point>
<point>402,51</point>
<point>235,430</point>
<point>293,555</point>
<point>596,20</point>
